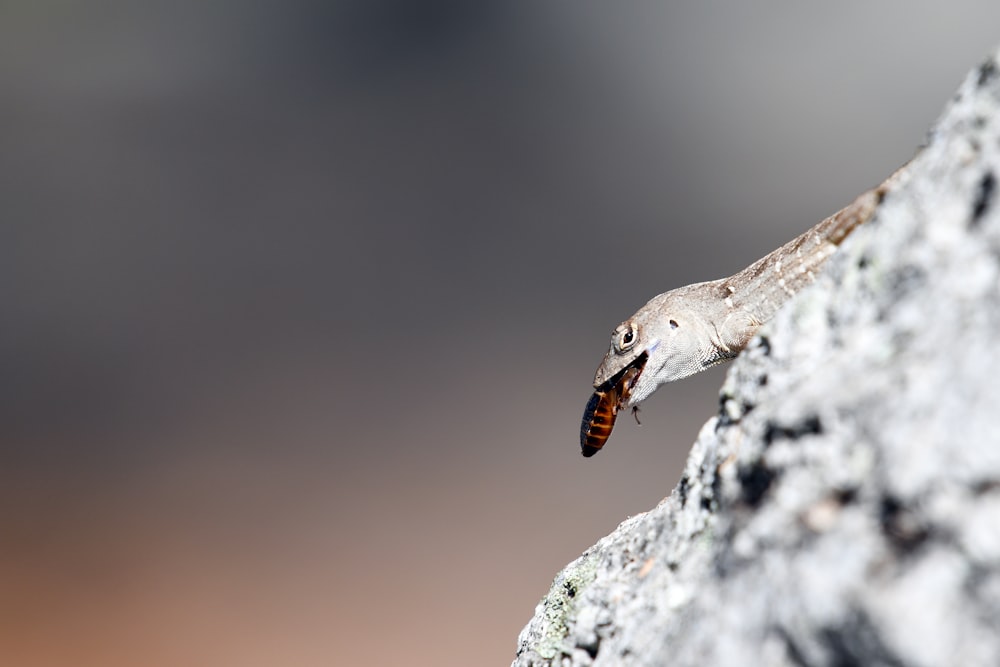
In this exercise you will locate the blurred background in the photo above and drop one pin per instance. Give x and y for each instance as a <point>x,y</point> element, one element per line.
<point>301,301</point>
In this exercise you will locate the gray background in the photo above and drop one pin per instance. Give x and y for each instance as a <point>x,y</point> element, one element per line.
<point>301,301</point>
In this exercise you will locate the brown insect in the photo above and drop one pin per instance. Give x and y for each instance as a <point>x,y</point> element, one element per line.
<point>602,408</point>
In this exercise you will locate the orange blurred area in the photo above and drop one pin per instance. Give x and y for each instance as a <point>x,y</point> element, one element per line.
<point>259,530</point>
<point>259,559</point>
<point>301,302</point>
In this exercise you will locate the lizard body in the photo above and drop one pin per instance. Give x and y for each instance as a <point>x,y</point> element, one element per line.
<point>691,328</point>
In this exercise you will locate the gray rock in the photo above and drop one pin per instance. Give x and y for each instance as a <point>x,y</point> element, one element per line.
<point>844,506</point>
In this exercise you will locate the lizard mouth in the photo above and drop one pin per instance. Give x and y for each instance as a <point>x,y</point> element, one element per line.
<point>602,408</point>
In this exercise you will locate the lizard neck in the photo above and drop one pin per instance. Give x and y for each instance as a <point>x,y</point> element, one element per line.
<point>756,293</point>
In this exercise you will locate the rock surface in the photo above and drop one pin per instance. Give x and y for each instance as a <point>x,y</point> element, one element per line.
<point>844,506</point>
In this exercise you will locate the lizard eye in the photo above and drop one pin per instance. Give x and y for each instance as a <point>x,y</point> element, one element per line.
<point>626,339</point>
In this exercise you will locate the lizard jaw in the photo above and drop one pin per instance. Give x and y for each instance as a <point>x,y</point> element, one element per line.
<point>612,366</point>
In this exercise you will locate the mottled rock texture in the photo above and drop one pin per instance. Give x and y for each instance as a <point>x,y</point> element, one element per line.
<point>844,506</point>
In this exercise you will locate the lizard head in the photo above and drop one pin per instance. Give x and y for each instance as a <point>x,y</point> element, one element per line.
<point>665,340</point>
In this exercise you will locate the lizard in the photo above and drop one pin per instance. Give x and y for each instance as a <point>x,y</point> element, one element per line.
<point>691,328</point>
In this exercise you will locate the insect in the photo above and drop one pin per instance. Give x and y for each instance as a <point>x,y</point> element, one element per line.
<point>602,408</point>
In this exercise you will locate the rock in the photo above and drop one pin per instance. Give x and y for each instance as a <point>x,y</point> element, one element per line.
<point>844,506</point>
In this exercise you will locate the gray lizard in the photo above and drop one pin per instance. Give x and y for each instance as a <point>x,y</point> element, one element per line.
<point>688,329</point>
